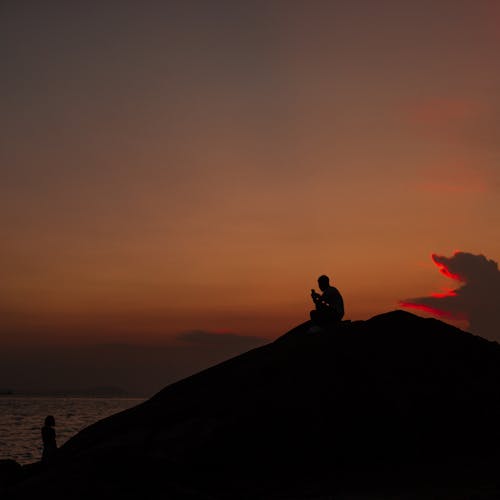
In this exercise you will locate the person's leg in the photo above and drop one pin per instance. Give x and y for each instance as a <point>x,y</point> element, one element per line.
<point>317,321</point>
<point>314,314</point>
<point>329,320</point>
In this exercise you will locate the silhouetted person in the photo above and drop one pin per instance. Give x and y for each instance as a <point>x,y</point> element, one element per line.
<point>329,305</point>
<point>49,440</point>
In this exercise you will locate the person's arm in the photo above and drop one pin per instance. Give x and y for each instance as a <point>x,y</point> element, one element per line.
<point>328,300</point>
<point>316,297</point>
<point>323,302</point>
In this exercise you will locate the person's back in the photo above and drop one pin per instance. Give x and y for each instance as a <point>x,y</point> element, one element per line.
<point>332,297</point>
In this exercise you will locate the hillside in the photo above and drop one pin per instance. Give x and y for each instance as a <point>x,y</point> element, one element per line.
<point>392,402</point>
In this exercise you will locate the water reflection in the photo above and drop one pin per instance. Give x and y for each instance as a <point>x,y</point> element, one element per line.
<point>21,419</point>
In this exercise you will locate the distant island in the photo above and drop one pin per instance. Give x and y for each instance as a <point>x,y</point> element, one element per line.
<point>98,392</point>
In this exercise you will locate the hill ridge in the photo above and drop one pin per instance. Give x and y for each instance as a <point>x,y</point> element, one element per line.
<point>394,392</point>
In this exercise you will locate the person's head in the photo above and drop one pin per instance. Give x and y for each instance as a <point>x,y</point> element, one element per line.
<point>323,282</point>
<point>50,421</point>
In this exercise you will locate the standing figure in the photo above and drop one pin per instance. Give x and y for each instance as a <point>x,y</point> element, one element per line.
<point>329,305</point>
<point>49,440</point>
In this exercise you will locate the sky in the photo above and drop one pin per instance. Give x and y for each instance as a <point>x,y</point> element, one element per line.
<point>180,167</point>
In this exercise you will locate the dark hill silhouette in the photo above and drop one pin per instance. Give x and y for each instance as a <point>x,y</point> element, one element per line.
<point>395,403</point>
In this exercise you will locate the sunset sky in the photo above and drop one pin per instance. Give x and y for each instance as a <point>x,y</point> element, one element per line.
<point>193,166</point>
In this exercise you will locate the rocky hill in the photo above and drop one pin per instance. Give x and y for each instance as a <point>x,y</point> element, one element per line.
<point>397,403</point>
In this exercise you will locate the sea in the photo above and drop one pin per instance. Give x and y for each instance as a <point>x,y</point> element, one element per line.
<point>22,417</point>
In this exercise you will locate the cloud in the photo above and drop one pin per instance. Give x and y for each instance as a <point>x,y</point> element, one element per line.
<point>454,177</point>
<point>231,340</point>
<point>137,368</point>
<point>470,121</point>
<point>477,299</point>
<point>443,112</point>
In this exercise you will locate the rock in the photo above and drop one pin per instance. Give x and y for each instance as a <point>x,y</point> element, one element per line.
<point>10,472</point>
<point>395,402</point>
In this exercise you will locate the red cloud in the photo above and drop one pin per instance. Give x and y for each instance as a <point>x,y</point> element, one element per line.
<point>441,263</point>
<point>477,299</point>
<point>441,112</point>
<point>444,113</point>
<point>453,177</point>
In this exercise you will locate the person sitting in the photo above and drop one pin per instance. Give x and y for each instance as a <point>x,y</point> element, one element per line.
<point>49,440</point>
<point>329,305</point>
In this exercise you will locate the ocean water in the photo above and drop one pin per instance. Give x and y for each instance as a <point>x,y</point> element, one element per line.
<point>21,419</point>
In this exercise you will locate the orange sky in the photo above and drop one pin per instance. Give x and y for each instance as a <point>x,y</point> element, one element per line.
<point>169,167</point>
